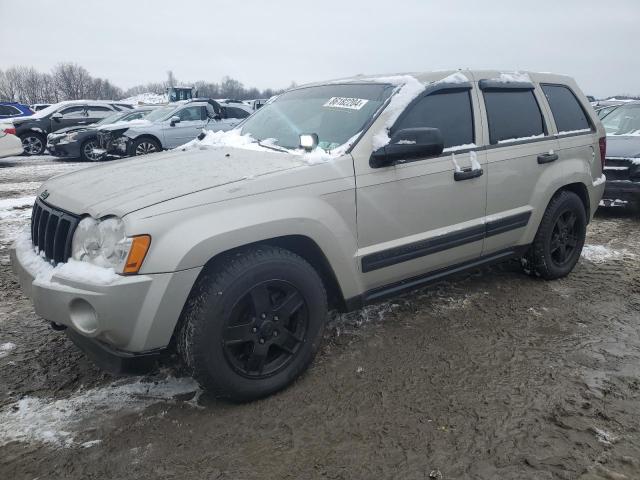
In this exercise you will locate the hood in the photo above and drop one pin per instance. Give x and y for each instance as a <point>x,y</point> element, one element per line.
<point>77,128</point>
<point>123,186</point>
<point>140,122</point>
<point>623,146</point>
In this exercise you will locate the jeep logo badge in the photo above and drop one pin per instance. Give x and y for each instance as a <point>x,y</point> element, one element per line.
<point>44,195</point>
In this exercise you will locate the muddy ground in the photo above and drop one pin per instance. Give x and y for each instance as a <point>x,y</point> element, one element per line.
<point>490,375</point>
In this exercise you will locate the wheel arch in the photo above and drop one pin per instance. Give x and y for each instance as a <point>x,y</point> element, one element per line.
<point>302,246</point>
<point>580,189</point>
<point>150,136</point>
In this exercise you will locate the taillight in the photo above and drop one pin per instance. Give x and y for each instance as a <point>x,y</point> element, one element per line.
<point>603,149</point>
<point>12,131</point>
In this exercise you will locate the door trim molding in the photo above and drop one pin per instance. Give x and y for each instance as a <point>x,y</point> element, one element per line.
<point>411,251</point>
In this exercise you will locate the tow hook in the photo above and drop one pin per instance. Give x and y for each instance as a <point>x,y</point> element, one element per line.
<point>58,327</point>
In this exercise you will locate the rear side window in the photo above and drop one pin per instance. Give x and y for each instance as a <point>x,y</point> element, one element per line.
<point>451,112</point>
<point>567,112</point>
<point>9,110</point>
<point>233,112</point>
<point>512,114</point>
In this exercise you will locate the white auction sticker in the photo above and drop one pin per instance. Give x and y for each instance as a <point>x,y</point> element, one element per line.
<point>345,102</point>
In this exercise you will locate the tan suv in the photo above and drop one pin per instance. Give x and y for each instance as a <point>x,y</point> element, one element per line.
<point>334,195</point>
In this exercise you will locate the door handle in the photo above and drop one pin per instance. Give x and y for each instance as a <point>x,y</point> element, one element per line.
<point>467,174</point>
<point>547,158</point>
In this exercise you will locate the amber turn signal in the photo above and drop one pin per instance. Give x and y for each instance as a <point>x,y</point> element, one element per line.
<point>138,251</point>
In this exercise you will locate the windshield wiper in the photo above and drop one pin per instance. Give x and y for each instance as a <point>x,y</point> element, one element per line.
<point>272,147</point>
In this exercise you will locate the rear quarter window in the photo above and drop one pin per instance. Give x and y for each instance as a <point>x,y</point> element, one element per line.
<point>513,114</point>
<point>567,111</point>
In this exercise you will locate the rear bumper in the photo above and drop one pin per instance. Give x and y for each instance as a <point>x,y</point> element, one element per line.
<point>621,192</point>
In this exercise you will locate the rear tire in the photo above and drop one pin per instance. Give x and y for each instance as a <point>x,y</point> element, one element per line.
<point>144,145</point>
<point>253,323</point>
<point>33,143</point>
<point>561,235</point>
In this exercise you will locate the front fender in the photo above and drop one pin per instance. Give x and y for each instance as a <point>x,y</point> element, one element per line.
<point>187,239</point>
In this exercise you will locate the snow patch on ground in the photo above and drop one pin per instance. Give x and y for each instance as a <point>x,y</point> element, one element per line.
<point>5,348</point>
<point>602,253</point>
<point>57,422</point>
<point>11,207</point>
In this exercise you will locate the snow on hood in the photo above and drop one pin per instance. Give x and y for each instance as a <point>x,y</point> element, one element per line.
<point>234,138</point>
<point>123,186</point>
<point>138,122</point>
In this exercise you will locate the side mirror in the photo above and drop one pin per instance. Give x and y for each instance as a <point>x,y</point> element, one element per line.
<point>407,144</point>
<point>173,120</point>
<point>56,116</point>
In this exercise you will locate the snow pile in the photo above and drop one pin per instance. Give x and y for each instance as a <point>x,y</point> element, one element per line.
<point>602,253</point>
<point>72,270</point>
<point>5,348</point>
<point>408,89</point>
<point>147,99</point>
<point>57,422</point>
<point>508,77</point>
<point>11,207</point>
<point>600,180</point>
<point>235,139</point>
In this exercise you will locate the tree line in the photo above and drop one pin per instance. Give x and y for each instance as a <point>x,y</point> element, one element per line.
<point>70,81</point>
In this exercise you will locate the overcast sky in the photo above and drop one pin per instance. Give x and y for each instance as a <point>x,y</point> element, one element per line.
<point>271,43</point>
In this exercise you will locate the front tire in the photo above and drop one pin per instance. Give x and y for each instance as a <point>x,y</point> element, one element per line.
<point>86,151</point>
<point>144,145</point>
<point>33,143</point>
<point>253,323</point>
<point>561,235</point>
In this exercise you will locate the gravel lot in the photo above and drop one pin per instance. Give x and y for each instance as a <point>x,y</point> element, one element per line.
<point>490,375</point>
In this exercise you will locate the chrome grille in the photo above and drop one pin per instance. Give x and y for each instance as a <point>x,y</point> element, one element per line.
<point>52,231</point>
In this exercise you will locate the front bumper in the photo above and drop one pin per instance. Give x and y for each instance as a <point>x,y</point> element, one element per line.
<point>69,150</point>
<point>617,192</point>
<point>123,325</point>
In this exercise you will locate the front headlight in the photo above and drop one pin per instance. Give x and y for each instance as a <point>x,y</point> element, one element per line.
<point>71,137</point>
<point>105,244</point>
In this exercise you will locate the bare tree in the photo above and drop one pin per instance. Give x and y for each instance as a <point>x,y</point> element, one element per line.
<point>72,81</point>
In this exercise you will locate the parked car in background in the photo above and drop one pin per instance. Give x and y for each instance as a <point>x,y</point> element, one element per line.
<point>81,141</point>
<point>622,164</point>
<point>9,110</point>
<point>39,106</point>
<point>604,111</point>
<point>33,130</point>
<point>9,143</point>
<point>333,196</point>
<point>169,126</point>
<point>257,103</point>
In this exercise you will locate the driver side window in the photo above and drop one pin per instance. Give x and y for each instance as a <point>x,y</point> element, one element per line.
<point>449,111</point>
<point>74,112</point>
